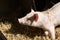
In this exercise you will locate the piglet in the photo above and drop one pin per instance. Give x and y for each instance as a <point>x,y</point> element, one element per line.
<point>47,20</point>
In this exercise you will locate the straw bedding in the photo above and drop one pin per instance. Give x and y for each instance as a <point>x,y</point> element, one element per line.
<point>24,33</point>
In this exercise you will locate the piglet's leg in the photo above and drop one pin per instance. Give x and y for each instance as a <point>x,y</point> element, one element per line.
<point>51,29</point>
<point>52,32</point>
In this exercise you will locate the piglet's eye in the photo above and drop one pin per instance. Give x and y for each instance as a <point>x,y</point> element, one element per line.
<point>31,19</point>
<point>28,19</point>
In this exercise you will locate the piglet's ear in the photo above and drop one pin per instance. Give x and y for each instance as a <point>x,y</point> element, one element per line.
<point>35,17</point>
<point>32,10</point>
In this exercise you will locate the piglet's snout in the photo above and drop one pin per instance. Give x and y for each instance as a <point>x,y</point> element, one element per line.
<point>21,21</point>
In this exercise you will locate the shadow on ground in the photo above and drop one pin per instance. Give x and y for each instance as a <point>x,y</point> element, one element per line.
<point>25,30</point>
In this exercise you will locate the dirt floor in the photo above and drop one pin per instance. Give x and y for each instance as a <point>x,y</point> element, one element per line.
<point>12,32</point>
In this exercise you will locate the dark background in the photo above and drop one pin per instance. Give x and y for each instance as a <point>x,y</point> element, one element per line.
<point>11,10</point>
<point>42,5</point>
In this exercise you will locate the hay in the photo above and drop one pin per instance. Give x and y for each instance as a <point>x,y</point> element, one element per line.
<point>6,26</point>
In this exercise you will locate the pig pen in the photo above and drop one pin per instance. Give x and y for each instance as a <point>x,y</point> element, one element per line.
<point>19,32</point>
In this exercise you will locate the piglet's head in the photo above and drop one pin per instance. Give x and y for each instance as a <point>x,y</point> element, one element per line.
<point>29,18</point>
<point>33,18</point>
